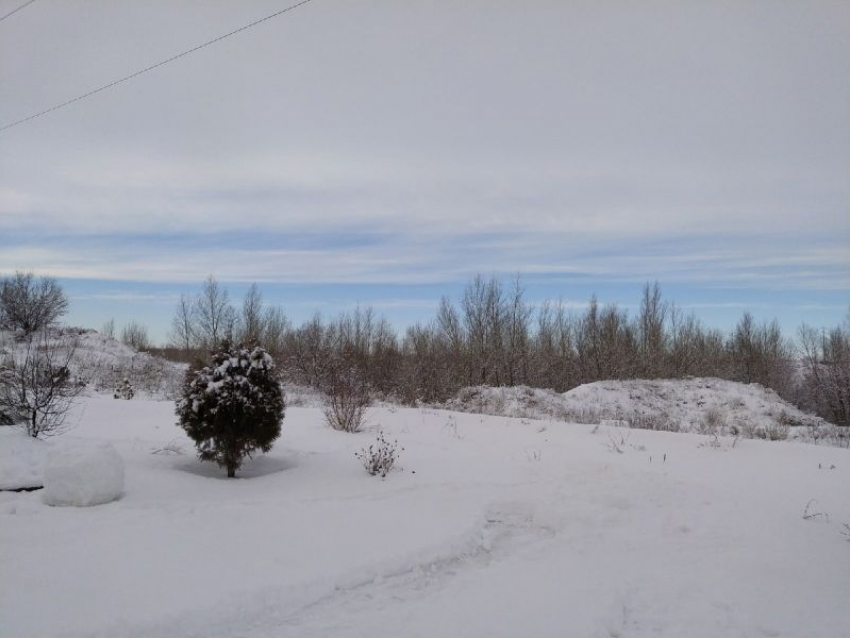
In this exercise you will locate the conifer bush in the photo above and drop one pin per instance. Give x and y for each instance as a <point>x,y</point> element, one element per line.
<point>232,407</point>
<point>124,390</point>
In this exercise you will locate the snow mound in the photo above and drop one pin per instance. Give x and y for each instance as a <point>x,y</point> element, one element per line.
<point>22,459</point>
<point>704,405</point>
<point>83,476</point>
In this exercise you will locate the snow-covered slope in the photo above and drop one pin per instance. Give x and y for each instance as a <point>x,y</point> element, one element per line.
<point>115,361</point>
<point>103,362</point>
<point>496,527</point>
<point>704,405</point>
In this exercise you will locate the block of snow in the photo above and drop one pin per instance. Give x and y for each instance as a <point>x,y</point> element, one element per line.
<point>83,476</point>
<point>21,459</point>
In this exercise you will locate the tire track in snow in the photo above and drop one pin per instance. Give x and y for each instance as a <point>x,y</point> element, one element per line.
<point>327,609</point>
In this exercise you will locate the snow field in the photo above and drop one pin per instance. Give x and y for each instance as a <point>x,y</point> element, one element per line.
<point>496,527</point>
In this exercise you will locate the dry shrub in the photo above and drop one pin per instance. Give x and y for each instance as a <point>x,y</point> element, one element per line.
<point>379,459</point>
<point>346,399</point>
<point>712,421</point>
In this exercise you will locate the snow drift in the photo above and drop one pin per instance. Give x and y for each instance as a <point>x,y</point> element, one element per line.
<point>22,459</point>
<point>82,476</point>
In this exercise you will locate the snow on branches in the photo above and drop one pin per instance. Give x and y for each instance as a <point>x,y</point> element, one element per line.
<point>233,406</point>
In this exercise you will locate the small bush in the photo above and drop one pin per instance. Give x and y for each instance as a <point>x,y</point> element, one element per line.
<point>124,390</point>
<point>380,458</point>
<point>659,422</point>
<point>346,399</point>
<point>712,421</point>
<point>772,432</point>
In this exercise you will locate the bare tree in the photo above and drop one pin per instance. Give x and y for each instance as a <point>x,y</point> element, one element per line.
<point>386,358</point>
<point>684,341</point>
<point>744,349</point>
<point>275,328</point>
<point>651,332</point>
<point>826,371</point>
<point>251,321</point>
<point>760,354</point>
<point>484,314</point>
<point>36,384</point>
<point>183,330</point>
<point>423,377</point>
<point>135,335</point>
<point>108,329</point>
<point>457,364</point>
<point>517,335</point>
<point>30,305</point>
<point>309,352</point>
<point>213,316</point>
<point>589,343</point>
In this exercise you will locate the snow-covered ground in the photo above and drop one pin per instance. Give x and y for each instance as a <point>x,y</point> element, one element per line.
<point>495,527</point>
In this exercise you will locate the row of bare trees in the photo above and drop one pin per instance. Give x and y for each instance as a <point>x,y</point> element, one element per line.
<point>208,318</point>
<point>825,388</point>
<point>493,336</point>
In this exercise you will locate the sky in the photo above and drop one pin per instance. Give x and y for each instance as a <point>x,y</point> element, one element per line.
<point>383,153</point>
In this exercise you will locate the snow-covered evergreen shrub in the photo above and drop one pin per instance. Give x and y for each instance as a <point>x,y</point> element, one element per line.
<point>233,406</point>
<point>124,390</point>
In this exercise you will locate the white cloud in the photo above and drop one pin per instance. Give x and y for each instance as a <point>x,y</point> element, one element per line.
<point>572,139</point>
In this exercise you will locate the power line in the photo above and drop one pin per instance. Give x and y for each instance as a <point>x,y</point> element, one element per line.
<point>153,66</point>
<point>14,11</point>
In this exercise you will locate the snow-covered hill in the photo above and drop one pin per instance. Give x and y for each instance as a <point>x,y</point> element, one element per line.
<point>115,361</point>
<point>703,405</point>
<point>102,362</point>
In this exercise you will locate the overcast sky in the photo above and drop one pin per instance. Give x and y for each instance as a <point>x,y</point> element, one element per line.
<point>384,152</point>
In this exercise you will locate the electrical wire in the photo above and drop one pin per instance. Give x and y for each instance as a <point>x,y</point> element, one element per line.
<point>14,11</point>
<point>153,66</point>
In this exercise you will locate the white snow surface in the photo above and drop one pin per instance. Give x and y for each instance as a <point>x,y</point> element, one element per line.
<point>83,475</point>
<point>22,459</point>
<point>494,527</point>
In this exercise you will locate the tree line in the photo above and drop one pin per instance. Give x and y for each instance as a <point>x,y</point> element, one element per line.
<point>493,336</point>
